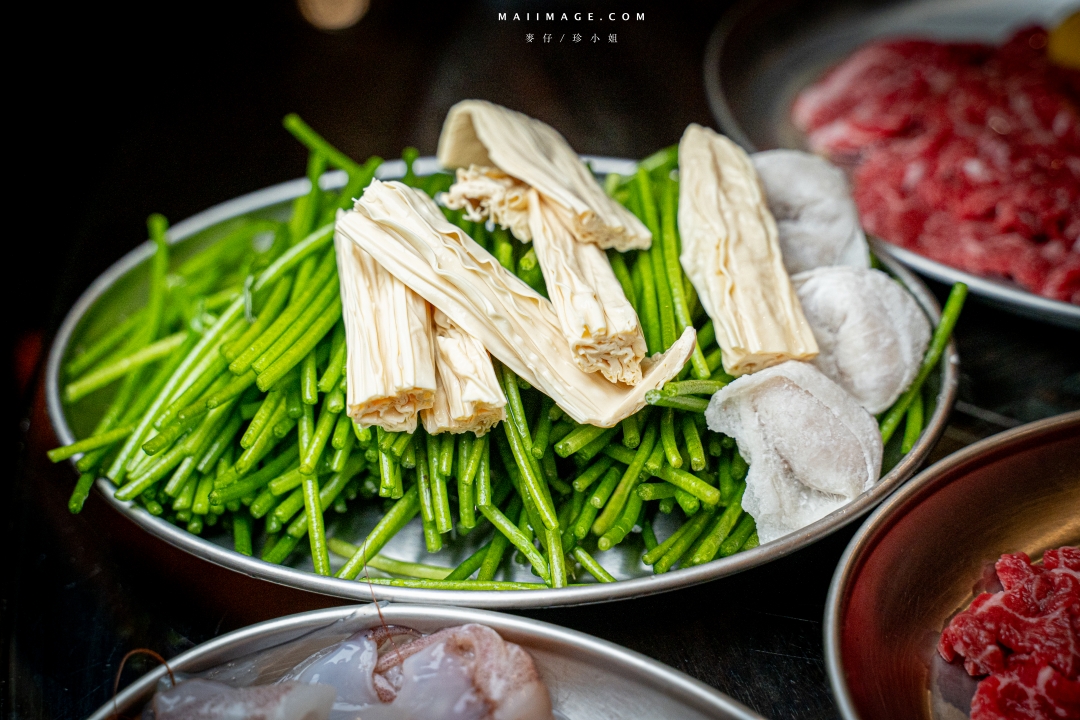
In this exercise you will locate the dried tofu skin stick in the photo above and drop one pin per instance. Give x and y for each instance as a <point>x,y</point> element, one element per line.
<point>390,362</point>
<point>407,234</point>
<point>487,192</point>
<point>467,394</point>
<point>480,133</point>
<point>595,316</point>
<point>731,254</point>
<point>598,321</point>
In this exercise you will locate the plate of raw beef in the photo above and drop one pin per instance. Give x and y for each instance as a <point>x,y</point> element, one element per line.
<point>959,132</point>
<point>960,596</point>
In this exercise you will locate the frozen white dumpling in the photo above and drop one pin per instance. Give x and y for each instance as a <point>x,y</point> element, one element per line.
<point>871,334</point>
<point>815,213</point>
<point>811,448</point>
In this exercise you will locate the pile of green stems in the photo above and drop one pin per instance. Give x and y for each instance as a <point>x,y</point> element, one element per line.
<point>228,408</point>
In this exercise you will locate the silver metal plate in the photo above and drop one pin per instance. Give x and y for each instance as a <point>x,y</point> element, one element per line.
<point>588,678</point>
<point>762,54</point>
<point>123,287</point>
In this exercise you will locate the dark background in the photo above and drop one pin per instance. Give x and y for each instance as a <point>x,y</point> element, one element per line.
<point>174,109</point>
<point>120,112</point>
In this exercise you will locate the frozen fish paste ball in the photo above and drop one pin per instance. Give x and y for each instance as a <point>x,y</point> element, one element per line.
<point>810,446</point>
<point>815,214</point>
<point>871,333</point>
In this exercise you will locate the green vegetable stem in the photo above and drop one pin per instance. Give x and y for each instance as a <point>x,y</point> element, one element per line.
<point>224,411</point>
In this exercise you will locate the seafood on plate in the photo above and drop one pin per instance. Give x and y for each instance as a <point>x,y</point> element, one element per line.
<point>816,218</point>
<point>465,672</point>
<point>810,446</point>
<point>198,699</point>
<point>390,672</point>
<point>871,333</point>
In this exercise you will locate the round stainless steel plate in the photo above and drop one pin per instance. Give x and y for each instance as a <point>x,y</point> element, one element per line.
<point>763,53</point>
<point>587,677</point>
<point>928,551</point>
<point>123,287</point>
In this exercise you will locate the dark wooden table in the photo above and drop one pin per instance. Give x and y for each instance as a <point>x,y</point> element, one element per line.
<point>175,110</point>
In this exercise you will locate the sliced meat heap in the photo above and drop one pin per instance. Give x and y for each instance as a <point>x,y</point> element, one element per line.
<point>968,154</point>
<point>1026,638</point>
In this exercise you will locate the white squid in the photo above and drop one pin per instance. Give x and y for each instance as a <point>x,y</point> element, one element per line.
<point>198,699</point>
<point>467,672</point>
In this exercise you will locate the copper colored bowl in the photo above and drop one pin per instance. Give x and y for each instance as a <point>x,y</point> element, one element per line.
<point>928,551</point>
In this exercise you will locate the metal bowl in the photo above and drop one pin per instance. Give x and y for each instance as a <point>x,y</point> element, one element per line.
<point>587,677</point>
<point>928,551</point>
<point>763,53</point>
<point>124,286</point>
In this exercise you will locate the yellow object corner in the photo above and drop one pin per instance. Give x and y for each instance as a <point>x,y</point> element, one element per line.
<point>1063,45</point>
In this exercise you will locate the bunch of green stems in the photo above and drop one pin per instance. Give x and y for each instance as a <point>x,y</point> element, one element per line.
<point>228,405</point>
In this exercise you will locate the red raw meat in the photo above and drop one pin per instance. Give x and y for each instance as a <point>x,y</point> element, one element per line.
<point>1026,690</point>
<point>1026,638</point>
<point>965,153</point>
